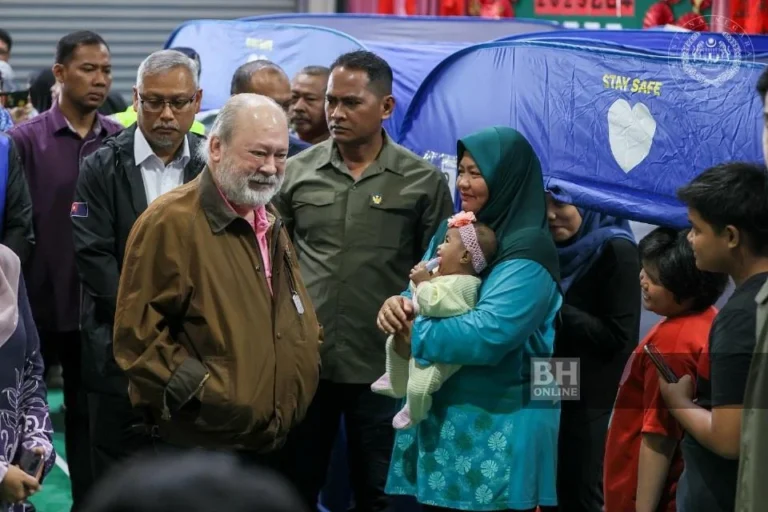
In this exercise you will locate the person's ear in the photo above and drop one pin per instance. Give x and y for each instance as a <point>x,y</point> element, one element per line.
<point>59,72</point>
<point>135,99</point>
<point>198,100</point>
<point>215,149</point>
<point>732,236</point>
<point>387,106</point>
<point>466,258</point>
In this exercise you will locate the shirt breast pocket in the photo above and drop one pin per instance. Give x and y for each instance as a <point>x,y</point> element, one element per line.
<point>317,215</point>
<point>389,225</point>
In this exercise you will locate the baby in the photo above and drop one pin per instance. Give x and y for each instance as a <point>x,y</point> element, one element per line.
<point>450,291</point>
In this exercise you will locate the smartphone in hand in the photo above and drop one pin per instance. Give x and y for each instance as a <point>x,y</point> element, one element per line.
<point>30,463</point>
<point>660,363</point>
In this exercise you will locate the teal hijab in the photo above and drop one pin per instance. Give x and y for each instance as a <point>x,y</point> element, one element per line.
<point>516,209</point>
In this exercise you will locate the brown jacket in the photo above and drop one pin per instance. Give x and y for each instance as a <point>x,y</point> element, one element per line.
<point>216,360</point>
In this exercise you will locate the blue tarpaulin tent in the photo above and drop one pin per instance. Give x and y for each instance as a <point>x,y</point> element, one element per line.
<point>412,45</point>
<point>415,29</point>
<point>656,40</point>
<point>225,45</point>
<point>620,131</point>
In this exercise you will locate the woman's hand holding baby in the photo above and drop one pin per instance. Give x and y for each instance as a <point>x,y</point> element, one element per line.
<point>395,315</point>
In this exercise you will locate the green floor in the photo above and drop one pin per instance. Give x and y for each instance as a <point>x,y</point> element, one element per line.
<point>55,496</point>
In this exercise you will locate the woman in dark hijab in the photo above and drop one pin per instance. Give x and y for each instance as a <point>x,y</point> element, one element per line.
<point>599,269</point>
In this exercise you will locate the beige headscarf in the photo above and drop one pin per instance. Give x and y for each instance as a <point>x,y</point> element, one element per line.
<point>10,271</point>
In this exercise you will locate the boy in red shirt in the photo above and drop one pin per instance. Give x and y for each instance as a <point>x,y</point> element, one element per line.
<point>642,458</point>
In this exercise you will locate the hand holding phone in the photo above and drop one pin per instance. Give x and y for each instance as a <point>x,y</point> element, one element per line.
<point>660,363</point>
<point>31,462</point>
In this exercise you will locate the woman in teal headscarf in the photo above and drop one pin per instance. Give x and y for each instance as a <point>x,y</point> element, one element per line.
<point>490,440</point>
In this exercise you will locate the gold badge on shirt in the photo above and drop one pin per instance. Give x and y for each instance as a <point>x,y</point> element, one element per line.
<point>376,199</point>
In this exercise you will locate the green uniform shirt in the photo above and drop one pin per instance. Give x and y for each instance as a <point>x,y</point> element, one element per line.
<point>357,242</point>
<point>129,116</point>
<point>752,491</point>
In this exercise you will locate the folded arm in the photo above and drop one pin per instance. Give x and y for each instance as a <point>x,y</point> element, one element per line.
<point>506,315</point>
<point>149,343</point>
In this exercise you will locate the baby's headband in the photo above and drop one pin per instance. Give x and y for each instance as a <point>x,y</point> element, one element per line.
<point>463,221</point>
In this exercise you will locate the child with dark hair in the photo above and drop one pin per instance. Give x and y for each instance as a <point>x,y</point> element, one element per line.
<point>728,209</point>
<point>642,459</point>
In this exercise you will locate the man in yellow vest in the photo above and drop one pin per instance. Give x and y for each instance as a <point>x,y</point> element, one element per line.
<point>129,116</point>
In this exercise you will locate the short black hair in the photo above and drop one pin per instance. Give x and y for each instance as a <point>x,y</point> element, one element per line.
<point>670,254</point>
<point>68,44</point>
<point>762,84</point>
<point>315,71</point>
<point>6,38</point>
<point>733,194</point>
<point>378,70</point>
<point>241,80</point>
<point>193,481</point>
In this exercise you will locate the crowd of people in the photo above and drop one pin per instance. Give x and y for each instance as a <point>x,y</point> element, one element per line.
<point>223,299</point>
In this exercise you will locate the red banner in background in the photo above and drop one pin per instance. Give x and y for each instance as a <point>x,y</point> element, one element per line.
<point>602,8</point>
<point>750,15</point>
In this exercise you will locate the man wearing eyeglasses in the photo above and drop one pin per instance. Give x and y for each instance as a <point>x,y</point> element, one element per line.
<point>116,183</point>
<point>129,116</point>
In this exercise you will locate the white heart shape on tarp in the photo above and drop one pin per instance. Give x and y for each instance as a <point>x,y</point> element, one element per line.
<point>630,133</point>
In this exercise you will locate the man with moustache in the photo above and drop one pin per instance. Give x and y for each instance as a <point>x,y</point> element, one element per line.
<point>214,327</point>
<point>361,210</point>
<point>51,147</point>
<point>307,110</point>
<point>116,183</point>
<point>266,78</point>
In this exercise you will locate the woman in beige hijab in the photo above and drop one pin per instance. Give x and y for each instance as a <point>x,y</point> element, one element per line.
<point>25,426</point>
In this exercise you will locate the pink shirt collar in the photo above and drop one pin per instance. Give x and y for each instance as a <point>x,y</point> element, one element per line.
<point>260,225</point>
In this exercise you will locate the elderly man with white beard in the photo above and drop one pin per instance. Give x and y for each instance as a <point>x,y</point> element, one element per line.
<point>214,327</point>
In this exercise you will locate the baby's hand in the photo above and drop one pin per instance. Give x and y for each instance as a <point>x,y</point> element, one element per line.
<point>419,273</point>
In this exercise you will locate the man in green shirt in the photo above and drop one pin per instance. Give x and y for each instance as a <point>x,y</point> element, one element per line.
<point>752,492</point>
<point>361,211</point>
<point>129,116</point>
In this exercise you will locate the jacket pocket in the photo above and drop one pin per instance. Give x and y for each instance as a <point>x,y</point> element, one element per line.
<point>216,396</point>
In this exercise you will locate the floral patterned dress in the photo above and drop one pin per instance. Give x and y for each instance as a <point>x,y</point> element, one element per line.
<point>485,444</point>
<point>24,420</point>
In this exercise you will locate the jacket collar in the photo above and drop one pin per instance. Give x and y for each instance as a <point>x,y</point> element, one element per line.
<point>125,163</point>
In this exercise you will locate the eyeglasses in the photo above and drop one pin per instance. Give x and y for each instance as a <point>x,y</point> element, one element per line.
<point>158,104</point>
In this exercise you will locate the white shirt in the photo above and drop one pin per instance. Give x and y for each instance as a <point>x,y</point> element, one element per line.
<point>158,177</point>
